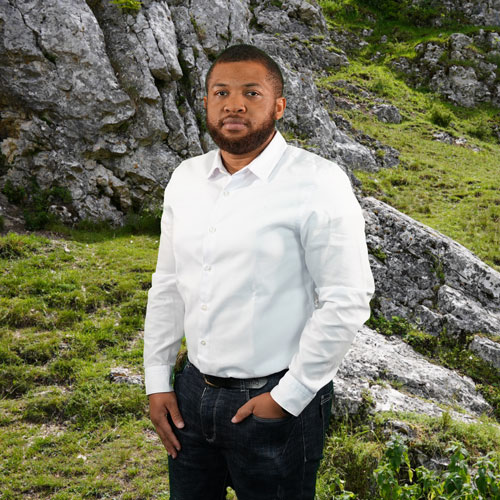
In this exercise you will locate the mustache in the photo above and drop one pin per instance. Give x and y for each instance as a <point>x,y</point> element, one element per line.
<point>232,119</point>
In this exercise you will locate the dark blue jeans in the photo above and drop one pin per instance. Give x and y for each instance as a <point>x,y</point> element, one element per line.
<point>262,459</point>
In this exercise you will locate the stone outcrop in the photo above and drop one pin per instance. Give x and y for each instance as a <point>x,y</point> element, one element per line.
<point>385,374</point>
<point>464,69</point>
<point>476,12</point>
<point>387,113</point>
<point>486,349</point>
<point>427,278</point>
<point>107,102</point>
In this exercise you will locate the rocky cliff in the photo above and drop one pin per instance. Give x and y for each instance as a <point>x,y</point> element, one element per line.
<point>106,102</point>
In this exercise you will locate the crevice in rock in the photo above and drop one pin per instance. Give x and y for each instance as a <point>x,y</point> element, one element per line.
<point>93,6</point>
<point>48,55</point>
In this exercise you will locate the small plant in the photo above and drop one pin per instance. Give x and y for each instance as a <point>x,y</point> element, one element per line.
<point>128,5</point>
<point>36,202</point>
<point>396,480</point>
<point>378,253</point>
<point>480,131</point>
<point>15,194</point>
<point>441,117</point>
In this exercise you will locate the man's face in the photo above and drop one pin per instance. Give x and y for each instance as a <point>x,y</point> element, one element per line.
<point>242,106</point>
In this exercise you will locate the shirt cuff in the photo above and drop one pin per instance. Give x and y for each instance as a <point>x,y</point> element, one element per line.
<point>291,395</point>
<point>158,379</point>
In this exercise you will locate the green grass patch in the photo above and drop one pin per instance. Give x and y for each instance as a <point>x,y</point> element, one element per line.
<point>66,431</point>
<point>452,188</point>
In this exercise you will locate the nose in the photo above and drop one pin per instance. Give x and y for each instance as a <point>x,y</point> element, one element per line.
<point>234,104</point>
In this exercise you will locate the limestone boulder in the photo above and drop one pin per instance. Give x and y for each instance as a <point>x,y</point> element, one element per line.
<point>427,278</point>
<point>384,374</point>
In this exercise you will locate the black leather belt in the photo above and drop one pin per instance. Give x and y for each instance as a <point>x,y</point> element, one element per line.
<point>235,383</point>
<point>240,383</point>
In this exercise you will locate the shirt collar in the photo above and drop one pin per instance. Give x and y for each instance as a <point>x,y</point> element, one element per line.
<point>262,165</point>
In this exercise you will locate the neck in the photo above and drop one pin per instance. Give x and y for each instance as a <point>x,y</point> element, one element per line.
<point>233,163</point>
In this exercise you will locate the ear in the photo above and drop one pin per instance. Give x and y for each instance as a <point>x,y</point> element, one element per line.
<point>279,107</point>
<point>205,102</point>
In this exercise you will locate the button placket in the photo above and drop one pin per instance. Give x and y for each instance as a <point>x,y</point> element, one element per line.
<point>209,250</point>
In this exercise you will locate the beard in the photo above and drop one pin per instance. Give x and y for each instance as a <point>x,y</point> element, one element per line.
<point>250,142</point>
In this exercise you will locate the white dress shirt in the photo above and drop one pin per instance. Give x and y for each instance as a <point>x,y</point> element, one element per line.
<point>262,270</point>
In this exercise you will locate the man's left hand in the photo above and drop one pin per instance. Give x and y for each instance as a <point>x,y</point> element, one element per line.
<point>263,406</point>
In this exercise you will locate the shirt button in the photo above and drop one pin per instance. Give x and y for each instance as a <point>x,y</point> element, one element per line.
<point>204,307</point>
<point>211,229</point>
<point>207,268</point>
<point>225,193</point>
<point>203,342</point>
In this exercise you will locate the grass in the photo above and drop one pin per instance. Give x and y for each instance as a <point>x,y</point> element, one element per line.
<point>72,308</point>
<point>454,189</point>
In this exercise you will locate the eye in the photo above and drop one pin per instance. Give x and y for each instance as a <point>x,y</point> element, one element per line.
<point>253,93</point>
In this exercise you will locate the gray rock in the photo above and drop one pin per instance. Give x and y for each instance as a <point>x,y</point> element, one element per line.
<point>384,374</point>
<point>121,375</point>
<point>475,12</point>
<point>108,103</point>
<point>486,349</point>
<point>427,278</point>
<point>460,68</point>
<point>387,113</point>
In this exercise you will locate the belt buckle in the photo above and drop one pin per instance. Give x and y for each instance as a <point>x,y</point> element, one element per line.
<point>209,383</point>
<point>256,383</point>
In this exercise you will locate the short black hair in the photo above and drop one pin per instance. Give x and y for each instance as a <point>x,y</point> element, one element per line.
<point>245,52</point>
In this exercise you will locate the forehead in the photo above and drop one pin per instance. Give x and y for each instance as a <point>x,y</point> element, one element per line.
<point>239,74</point>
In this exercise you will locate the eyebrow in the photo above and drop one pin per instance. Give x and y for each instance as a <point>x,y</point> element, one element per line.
<point>244,85</point>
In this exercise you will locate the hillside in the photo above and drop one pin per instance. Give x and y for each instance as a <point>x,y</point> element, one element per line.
<point>449,154</point>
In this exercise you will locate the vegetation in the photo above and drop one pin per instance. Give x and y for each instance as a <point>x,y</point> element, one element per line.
<point>456,483</point>
<point>71,309</point>
<point>36,202</point>
<point>450,187</point>
<point>128,5</point>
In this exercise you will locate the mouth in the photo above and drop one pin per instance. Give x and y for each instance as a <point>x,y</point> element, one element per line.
<point>233,124</point>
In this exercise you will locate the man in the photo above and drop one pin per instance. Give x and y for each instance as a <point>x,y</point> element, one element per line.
<point>263,266</point>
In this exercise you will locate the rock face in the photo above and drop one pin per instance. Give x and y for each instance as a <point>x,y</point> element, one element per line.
<point>107,102</point>
<point>486,349</point>
<point>477,12</point>
<point>427,278</point>
<point>464,69</point>
<point>385,374</point>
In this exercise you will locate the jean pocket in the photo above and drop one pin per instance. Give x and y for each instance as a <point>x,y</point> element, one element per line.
<point>326,408</point>
<point>271,420</point>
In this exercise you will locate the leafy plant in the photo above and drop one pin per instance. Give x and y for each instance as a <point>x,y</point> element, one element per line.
<point>128,5</point>
<point>440,117</point>
<point>396,480</point>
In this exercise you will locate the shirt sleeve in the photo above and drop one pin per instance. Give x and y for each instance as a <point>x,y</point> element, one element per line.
<point>333,238</point>
<point>163,328</point>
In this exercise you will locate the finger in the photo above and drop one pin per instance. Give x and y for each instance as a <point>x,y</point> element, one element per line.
<point>168,438</point>
<point>243,412</point>
<point>175,414</point>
